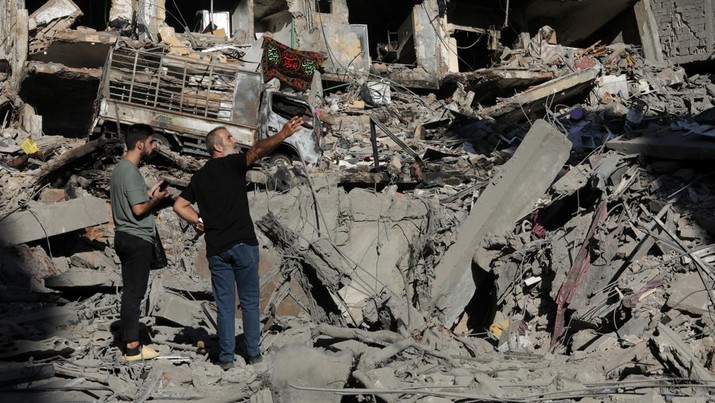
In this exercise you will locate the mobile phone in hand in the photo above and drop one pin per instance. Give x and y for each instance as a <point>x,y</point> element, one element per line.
<point>163,186</point>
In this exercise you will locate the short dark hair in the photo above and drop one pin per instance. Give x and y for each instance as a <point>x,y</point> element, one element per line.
<point>212,138</point>
<point>137,133</point>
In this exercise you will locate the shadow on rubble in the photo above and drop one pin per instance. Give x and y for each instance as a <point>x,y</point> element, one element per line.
<point>30,318</point>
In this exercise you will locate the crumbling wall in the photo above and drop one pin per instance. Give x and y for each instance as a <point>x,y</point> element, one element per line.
<point>152,12</point>
<point>427,43</point>
<point>121,10</point>
<point>5,24</point>
<point>686,29</point>
<point>331,34</point>
<point>13,48</point>
<point>242,21</point>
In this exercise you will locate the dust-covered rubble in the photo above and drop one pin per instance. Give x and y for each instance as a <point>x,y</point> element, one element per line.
<point>538,230</point>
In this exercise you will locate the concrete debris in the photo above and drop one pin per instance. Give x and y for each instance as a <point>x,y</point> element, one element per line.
<point>528,173</point>
<point>44,221</point>
<point>468,213</point>
<point>297,368</point>
<point>689,294</point>
<point>677,355</point>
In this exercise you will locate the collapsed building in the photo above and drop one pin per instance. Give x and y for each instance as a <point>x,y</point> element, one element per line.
<point>488,202</point>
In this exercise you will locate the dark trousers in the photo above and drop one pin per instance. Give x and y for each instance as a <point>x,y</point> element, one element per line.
<point>135,255</point>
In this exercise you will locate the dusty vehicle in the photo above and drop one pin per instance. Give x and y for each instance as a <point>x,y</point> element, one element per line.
<point>184,98</point>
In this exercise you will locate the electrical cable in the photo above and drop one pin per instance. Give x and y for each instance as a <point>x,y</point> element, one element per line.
<point>472,45</point>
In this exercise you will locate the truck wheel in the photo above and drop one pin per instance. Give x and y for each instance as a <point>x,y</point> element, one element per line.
<point>279,160</point>
<point>162,141</point>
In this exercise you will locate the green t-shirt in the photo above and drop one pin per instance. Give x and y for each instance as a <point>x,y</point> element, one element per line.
<point>126,189</point>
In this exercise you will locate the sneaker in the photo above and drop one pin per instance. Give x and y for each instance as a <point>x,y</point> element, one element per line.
<point>225,365</point>
<point>255,360</point>
<point>142,353</point>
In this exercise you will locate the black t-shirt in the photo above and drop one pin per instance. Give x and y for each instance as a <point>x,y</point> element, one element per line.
<point>219,189</point>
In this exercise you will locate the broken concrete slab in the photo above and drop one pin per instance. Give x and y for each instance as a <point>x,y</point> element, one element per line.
<point>77,278</point>
<point>331,268</point>
<point>64,72</point>
<point>488,82</point>
<point>77,49</point>
<point>377,218</point>
<point>303,366</point>
<point>513,192</point>
<point>177,309</point>
<point>576,178</point>
<point>41,221</point>
<point>688,294</point>
<point>95,260</point>
<point>52,10</point>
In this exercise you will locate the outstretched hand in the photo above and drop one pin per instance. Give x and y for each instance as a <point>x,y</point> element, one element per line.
<point>292,126</point>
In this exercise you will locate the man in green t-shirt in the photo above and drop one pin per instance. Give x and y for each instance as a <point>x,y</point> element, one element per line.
<point>132,207</point>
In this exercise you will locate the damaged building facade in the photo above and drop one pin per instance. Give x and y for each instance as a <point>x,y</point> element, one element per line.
<point>414,44</point>
<point>486,201</point>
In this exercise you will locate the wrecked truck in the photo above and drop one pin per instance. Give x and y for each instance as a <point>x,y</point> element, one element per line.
<point>184,98</point>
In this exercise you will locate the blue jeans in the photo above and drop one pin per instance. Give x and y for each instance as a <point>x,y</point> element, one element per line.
<point>236,267</point>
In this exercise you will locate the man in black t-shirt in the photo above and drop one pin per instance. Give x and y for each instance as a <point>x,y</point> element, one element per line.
<point>219,190</point>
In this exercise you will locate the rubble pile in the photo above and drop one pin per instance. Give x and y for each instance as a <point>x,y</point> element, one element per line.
<point>538,230</point>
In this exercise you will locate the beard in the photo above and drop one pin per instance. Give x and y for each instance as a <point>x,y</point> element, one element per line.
<point>145,155</point>
<point>229,149</point>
